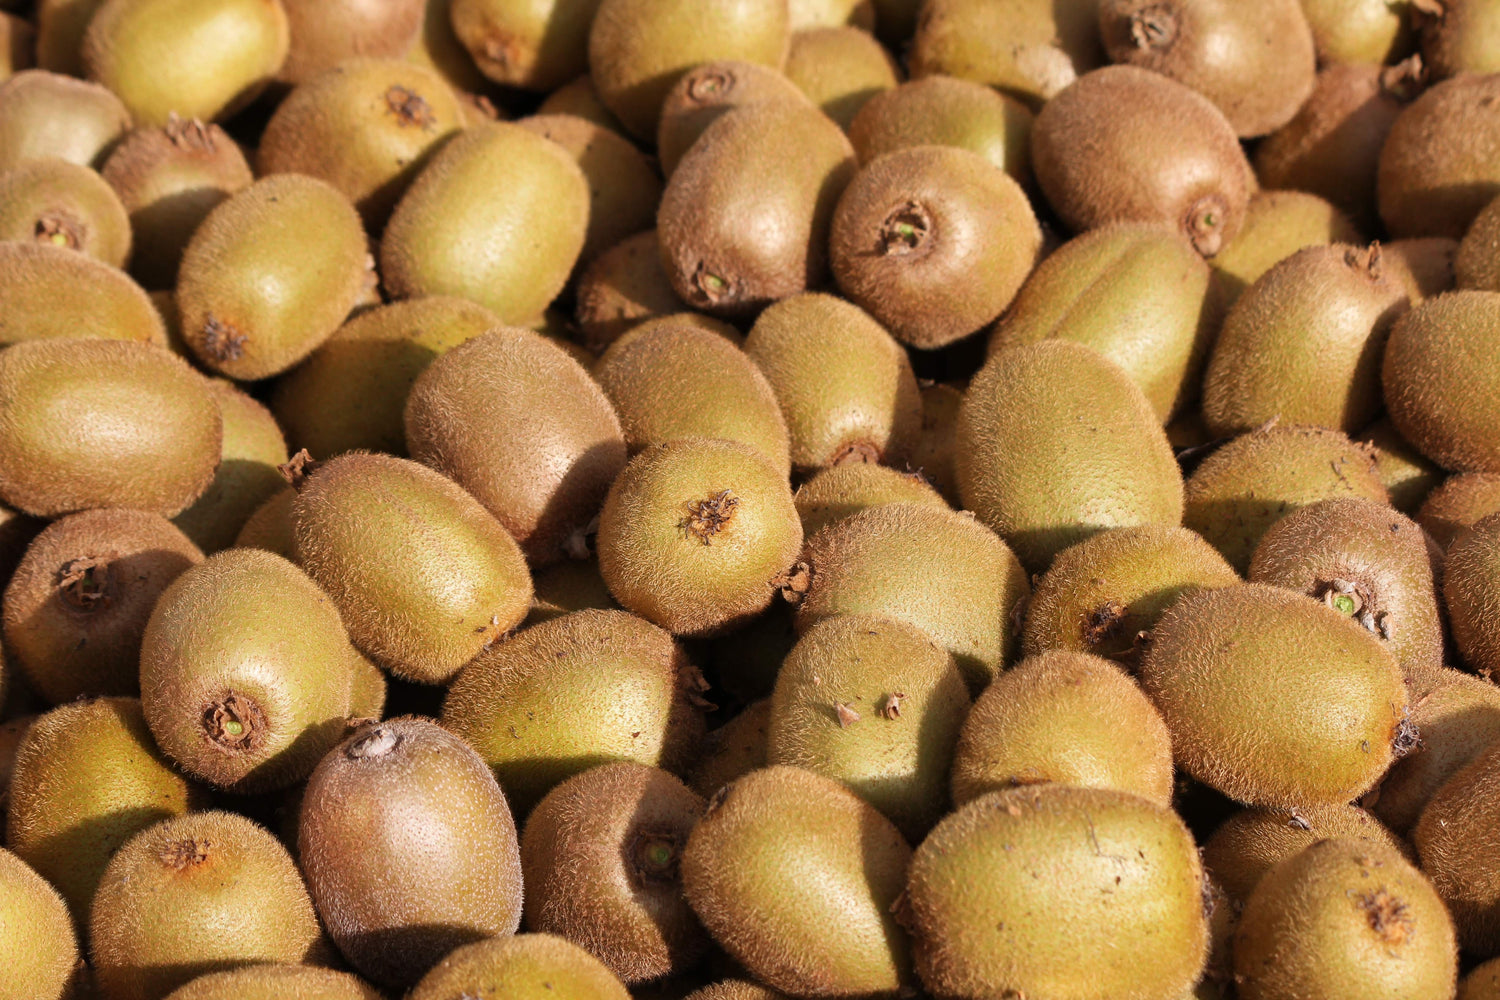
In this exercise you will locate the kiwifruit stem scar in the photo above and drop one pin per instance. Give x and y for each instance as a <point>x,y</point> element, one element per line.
<point>235,723</point>
<point>409,108</point>
<point>297,468</point>
<point>59,231</point>
<point>1389,917</point>
<point>654,855</point>
<point>378,742</point>
<point>181,854</point>
<point>709,516</point>
<point>709,86</point>
<point>905,230</point>
<point>1204,224</point>
<point>1154,27</point>
<point>713,287</point>
<point>188,133</point>
<point>856,453</point>
<point>221,341</point>
<point>85,583</point>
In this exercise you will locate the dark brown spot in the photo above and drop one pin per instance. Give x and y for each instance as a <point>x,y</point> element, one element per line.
<point>297,468</point>
<point>856,453</point>
<point>189,133</point>
<point>221,341</point>
<point>86,583</point>
<point>1389,917</point>
<point>1102,623</point>
<point>409,108</point>
<point>712,288</point>
<point>1154,27</point>
<point>707,517</point>
<point>181,854</point>
<point>653,856</point>
<point>845,713</point>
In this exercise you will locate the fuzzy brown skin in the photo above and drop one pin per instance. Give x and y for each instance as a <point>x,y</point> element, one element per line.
<point>708,92</point>
<point>52,292</point>
<point>539,45</point>
<point>841,490</point>
<point>733,750</point>
<point>253,450</point>
<point>933,457</point>
<point>60,25</point>
<point>1453,838</point>
<point>1482,983</point>
<point>1477,263</point>
<point>1459,36</point>
<point>1471,591</point>
<point>735,989</point>
<point>63,204</point>
<point>1425,265</point>
<point>1157,152</point>
<point>1277,225</point>
<point>276,982</point>
<point>17,45</point>
<point>270,527</point>
<point>48,114</point>
<point>41,953</point>
<point>839,69</point>
<point>520,967</point>
<point>1441,160</point>
<point>324,33</point>
<point>567,586</point>
<point>624,286</point>
<point>519,424</point>
<point>946,111</point>
<point>1462,501</point>
<point>170,906</point>
<point>581,99</point>
<point>1253,841</point>
<point>1408,475</point>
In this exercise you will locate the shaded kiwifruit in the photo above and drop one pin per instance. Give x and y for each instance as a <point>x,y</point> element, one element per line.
<point>1476,265</point>
<point>104,423</point>
<point>841,490</point>
<point>77,605</point>
<point>276,982</point>
<point>1089,434</point>
<point>269,274</point>
<point>48,114</point>
<point>17,45</point>
<point>197,60</point>
<point>53,292</point>
<point>1471,592</point>
<point>169,179</point>
<point>1253,841</point>
<point>1453,838</point>
<point>537,46</point>
<point>60,25</point>
<point>744,220</point>
<point>87,778</point>
<point>1273,698</point>
<point>1437,166</point>
<point>270,527</point>
<point>519,424</point>
<point>568,694</point>
<point>521,967</point>
<point>39,952</point>
<point>1425,265</point>
<point>246,672</point>
<point>13,730</point>
<point>1277,225</point>
<point>325,33</point>
<point>932,457</point>
<point>621,287</point>
<point>1482,982</point>
<point>49,200</point>
<point>1440,397</point>
<point>579,98</point>
<point>1120,914</point>
<point>1458,36</point>
<point>600,856</point>
<point>942,571</point>
<point>253,449</point>
<point>449,235</point>
<point>1344,920</point>
<point>567,586</point>
<point>745,662</point>
<point>946,111</point>
<point>1408,475</point>
<point>933,242</point>
<point>371,813</point>
<point>1462,501</point>
<point>833,935</point>
<point>1105,594</point>
<point>448,580</point>
<point>1254,480</point>
<point>839,69</point>
<point>1126,144</point>
<point>709,91</point>
<point>733,750</point>
<point>639,48</point>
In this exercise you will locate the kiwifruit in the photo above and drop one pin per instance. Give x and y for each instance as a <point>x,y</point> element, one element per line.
<point>639,48</point>
<point>1458,36</point>
<point>276,982</point>
<point>567,586</point>
<point>1256,479</point>
<point>1476,265</point>
<point>932,457</point>
<point>941,571</point>
<point>1277,225</point>
<point>1273,698</point>
<point>839,69</point>
<point>1345,920</point>
<point>519,424</point>
<point>13,730</point>
<point>53,292</point>
<point>1120,912</point>
<point>141,428</point>
<point>841,490</point>
<point>1425,265</point>
<point>1408,475</point>
<point>1126,144</point>
<point>733,750</point>
<point>1332,146</point>
<point>48,114</point>
<point>253,449</point>
<point>1437,167</point>
<point>87,778</point>
<point>808,14</point>
<point>537,46</point>
<point>707,92</point>
<point>195,59</point>
<point>449,235</point>
<point>1089,434</point>
<point>17,46</point>
<point>77,605</point>
<point>833,935</point>
<point>1360,32</point>
<point>600,857</point>
<point>1066,717</point>
<point>1471,592</point>
<point>1460,502</point>
<point>579,98</point>
<point>1253,841</point>
<point>623,286</point>
<point>49,200</point>
<point>1453,838</point>
<point>270,527</point>
<point>449,581</point>
<point>246,672</point>
<point>325,33</point>
<point>438,47</point>
<point>60,25</point>
<point>735,989</point>
<point>745,217</point>
<point>1482,982</point>
<point>372,811</point>
<point>946,111</point>
<point>39,952</point>
<point>521,967</point>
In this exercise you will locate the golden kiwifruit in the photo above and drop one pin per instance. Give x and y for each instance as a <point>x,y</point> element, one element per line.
<point>539,45</point>
<point>519,424</point>
<point>77,605</point>
<point>253,450</point>
<point>1462,501</point>
<point>1105,594</point>
<point>39,951</point>
<point>1277,225</point>
<point>1438,166</point>
<point>449,235</point>
<point>60,25</point>
<point>423,576</point>
<point>51,292</point>
<point>276,981</point>
<point>939,570</point>
<point>933,242</point>
<point>1126,144</point>
<point>837,492</point>
<point>622,287</point>
<point>1345,920</point>
<point>839,69</point>
<point>49,200</point>
<point>1254,480</point>
<point>828,935</point>
<point>370,817</point>
<point>932,457</point>
<point>946,111</point>
<point>1458,36</point>
<point>1471,592</point>
<point>1408,475</point>
<point>270,526</point>
<point>48,114</point>
<point>1425,265</point>
<point>581,99</point>
<point>1273,698</point>
<point>567,586</point>
<point>1253,841</point>
<point>733,750</point>
<point>521,967</point>
<point>325,33</point>
<point>1476,265</point>
<point>1369,32</point>
<point>600,856</point>
<point>707,92</point>
<point>1119,913</point>
<point>192,58</point>
<point>142,429</point>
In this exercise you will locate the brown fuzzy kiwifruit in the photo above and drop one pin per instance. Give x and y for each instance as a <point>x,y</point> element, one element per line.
<point>840,69</point>
<point>325,33</point>
<point>535,46</point>
<point>1476,265</point>
<point>270,527</point>
<point>1277,225</point>
<point>622,287</point>
<point>1438,166</point>
<point>60,25</point>
<point>932,458</point>
<point>1458,36</point>
<point>41,954</point>
<point>521,967</point>
<point>567,586</point>
<point>53,292</point>
<point>733,750</point>
<point>1425,265</point>
<point>1462,501</point>
<point>706,93</point>
<point>1453,838</point>
<point>49,114</point>
<point>946,111</point>
<point>1253,841</point>
<point>581,99</point>
<point>273,981</point>
<point>63,204</point>
<point>253,452</point>
<point>1409,476</point>
<point>839,491</point>
<point>1361,32</point>
<point>1471,591</point>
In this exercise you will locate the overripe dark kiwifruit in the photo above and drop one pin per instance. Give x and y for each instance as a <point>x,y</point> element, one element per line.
<point>52,292</point>
<point>567,586</point>
<point>841,490</point>
<point>519,424</point>
<point>276,982</point>
<point>839,69</point>
<point>372,811</point>
<point>1065,717</point>
<point>1101,595</point>
<point>939,570</point>
<point>1266,727</point>
<point>1442,387</point>
<point>49,114</point>
<point>141,428</point>
<point>1462,501</point>
<point>169,179</point>
<point>707,92</point>
<point>579,98</point>
<point>733,750</point>
<point>40,949</point>
<point>1345,920</point>
<point>1119,914</point>
<point>521,967</point>
<point>196,60</point>
<point>1408,475</point>
<point>933,455</point>
<point>325,33</point>
<point>600,856</point>
<point>623,286</point>
<point>450,236</point>
<point>60,25</point>
<point>87,778</point>
<point>1369,32</point>
<point>78,603</point>
<point>1254,480</point>
<point>745,217</point>
<point>933,242</point>
<point>52,201</point>
<point>270,527</point>
<point>537,46</point>
<point>449,580</point>
<point>1458,36</point>
<point>253,449</point>
<point>1425,265</point>
<point>1125,144</point>
<point>1089,434</point>
<point>246,672</point>
<point>1471,592</point>
<point>1476,265</point>
<point>171,906</point>
<point>1438,166</point>
<point>1253,841</point>
<point>946,111</point>
<point>833,935</point>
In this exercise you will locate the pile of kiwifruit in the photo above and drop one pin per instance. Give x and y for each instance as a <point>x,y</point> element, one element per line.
<point>750,499</point>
